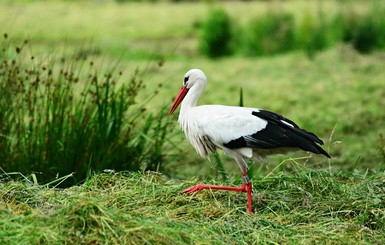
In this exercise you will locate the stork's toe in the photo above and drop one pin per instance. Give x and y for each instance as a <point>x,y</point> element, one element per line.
<point>193,189</point>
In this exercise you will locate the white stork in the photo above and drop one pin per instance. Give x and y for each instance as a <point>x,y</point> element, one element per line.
<point>242,133</point>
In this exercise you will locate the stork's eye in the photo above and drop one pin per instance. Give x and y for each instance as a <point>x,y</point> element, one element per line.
<point>186,79</point>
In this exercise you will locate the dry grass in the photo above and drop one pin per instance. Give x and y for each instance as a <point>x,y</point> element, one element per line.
<point>146,208</point>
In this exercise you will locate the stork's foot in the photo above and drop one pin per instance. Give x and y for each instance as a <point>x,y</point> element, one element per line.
<point>193,189</point>
<point>197,188</point>
<point>246,187</point>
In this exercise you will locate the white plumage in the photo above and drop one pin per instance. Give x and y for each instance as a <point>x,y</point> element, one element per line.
<point>210,125</point>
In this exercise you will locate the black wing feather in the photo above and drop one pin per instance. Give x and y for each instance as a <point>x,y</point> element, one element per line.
<point>279,132</point>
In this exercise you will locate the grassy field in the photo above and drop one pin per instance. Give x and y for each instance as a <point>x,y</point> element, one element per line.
<point>133,208</point>
<point>338,94</point>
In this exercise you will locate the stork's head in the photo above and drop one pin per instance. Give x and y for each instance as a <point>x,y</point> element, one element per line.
<point>194,79</point>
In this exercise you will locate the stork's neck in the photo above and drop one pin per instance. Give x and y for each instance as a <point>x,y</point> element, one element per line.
<point>192,97</point>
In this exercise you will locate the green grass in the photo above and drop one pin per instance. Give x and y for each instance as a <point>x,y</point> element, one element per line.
<point>305,207</point>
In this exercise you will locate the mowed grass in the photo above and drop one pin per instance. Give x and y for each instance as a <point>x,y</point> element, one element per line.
<point>306,207</point>
<point>338,94</point>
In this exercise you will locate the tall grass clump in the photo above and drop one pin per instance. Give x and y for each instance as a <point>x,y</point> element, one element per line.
<point>317,33</point>
<point>215,38</point>
<point>270,33</point>
<point>62,115</point>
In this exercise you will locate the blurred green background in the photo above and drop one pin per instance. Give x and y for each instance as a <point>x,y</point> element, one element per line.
<point>85,85</point>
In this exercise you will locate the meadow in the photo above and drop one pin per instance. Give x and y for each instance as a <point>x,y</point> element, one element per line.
<point>134,56</point>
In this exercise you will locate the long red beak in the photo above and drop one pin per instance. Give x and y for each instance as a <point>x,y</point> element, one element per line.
<point>182,93</point>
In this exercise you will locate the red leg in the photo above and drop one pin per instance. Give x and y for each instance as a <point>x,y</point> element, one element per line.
<point>246,187</point>
<point>249,198</point>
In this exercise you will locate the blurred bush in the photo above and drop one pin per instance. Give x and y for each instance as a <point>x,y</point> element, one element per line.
<point>216,36</point>
<point>278,31</point>
<point>269,34</point>
<point>370,31</point>
<point>155,1</point>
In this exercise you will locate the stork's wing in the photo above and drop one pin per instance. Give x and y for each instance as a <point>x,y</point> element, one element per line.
<point>260,129</point>
<point>223,124</point>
